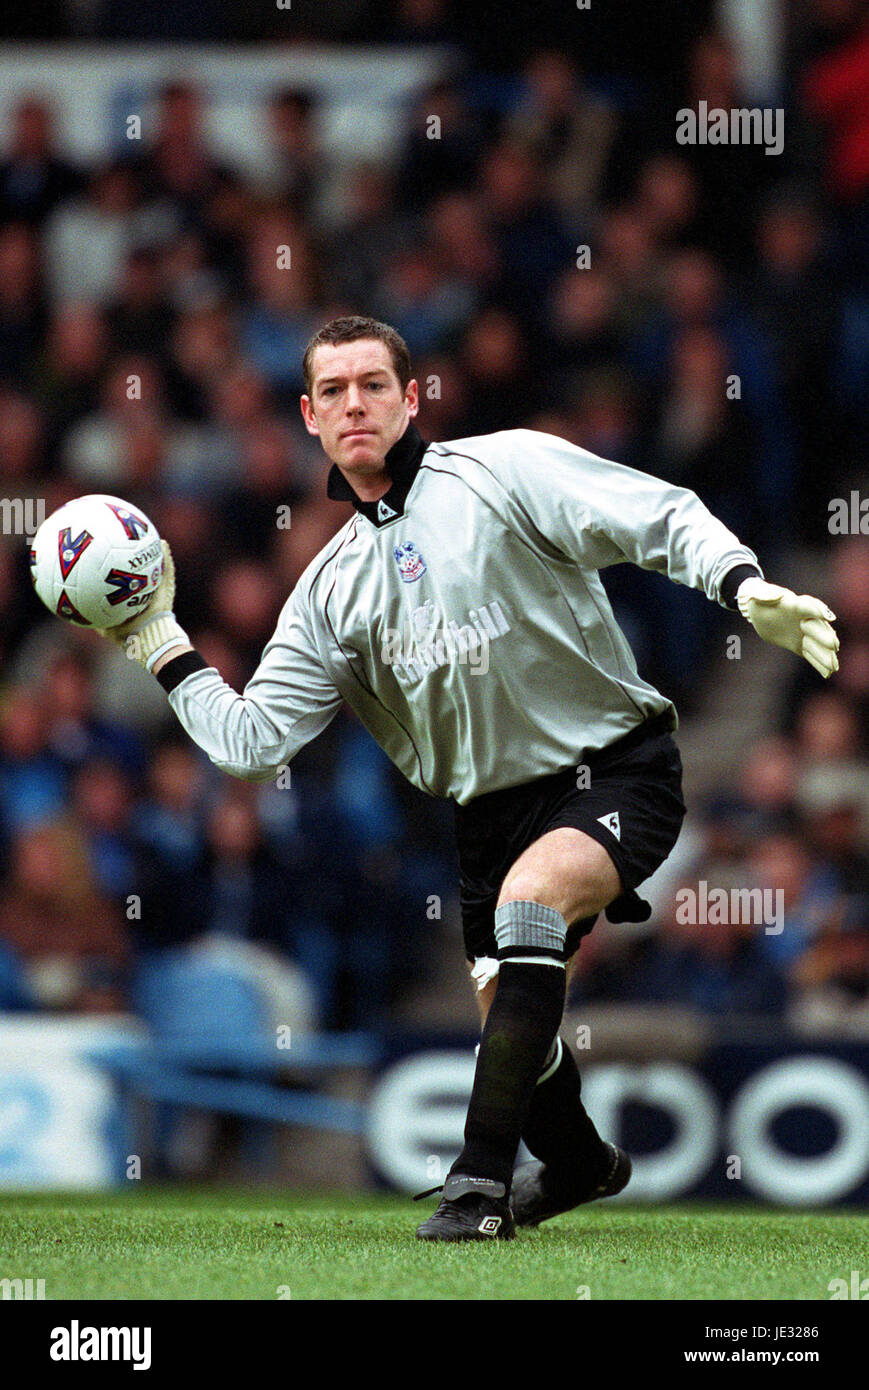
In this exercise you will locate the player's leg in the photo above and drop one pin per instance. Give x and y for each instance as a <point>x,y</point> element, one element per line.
<point>558,1129</point>
<point>633,808</point>
<point>563,872</point>
<point>528,856</point>
<point>572,1164</point>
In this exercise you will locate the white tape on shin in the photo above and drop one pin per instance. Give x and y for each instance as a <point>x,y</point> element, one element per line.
<point>485,969</point>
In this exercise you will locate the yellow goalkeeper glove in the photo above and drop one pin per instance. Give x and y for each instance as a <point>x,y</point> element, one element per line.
<point>795,621</point>
<point>151,633</point>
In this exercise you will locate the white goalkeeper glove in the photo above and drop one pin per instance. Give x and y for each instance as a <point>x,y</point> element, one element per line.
<point>795,621</point>
<point>150,634</point>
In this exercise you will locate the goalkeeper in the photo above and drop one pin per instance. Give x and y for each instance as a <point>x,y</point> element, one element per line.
<point>558,756</point>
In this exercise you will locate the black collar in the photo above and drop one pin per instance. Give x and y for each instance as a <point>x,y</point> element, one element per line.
<point>402,463</point>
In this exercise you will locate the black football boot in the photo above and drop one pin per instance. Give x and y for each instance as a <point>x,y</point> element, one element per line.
<point>470,1209</point>
<point>540,1192</point>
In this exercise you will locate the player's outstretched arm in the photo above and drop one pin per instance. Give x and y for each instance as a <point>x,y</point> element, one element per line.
<point>795,621</point>
<point>289,699</point>
<point>153,636</point>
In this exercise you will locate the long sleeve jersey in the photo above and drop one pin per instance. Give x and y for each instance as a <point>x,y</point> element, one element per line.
<point>463,619</point>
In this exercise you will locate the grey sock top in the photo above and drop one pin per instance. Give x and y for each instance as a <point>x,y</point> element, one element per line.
<point>529,924</point>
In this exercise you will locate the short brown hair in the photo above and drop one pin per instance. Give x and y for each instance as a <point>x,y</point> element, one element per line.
<point>348,330</point>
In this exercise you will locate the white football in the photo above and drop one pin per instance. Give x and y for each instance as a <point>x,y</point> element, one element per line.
<point>96,561</point>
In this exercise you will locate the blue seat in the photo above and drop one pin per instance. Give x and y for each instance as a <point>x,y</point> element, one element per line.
<point>179,996</point>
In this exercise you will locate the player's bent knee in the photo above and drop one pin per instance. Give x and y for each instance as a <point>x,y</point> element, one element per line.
<point>524,887</point>
<point>583,898</point>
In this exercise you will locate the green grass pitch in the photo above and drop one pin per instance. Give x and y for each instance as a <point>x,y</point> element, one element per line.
<point>229,1244</point>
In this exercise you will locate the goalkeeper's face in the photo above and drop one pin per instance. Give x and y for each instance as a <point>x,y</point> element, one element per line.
<point>357,406</point>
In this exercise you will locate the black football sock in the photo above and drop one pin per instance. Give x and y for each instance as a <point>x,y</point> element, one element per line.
<point>522,1023</point>
<point>558,1129</point>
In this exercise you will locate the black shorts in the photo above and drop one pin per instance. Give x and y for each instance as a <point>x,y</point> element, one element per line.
<point>637,779</point>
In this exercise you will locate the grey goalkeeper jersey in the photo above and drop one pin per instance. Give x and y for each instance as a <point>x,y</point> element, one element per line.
<point>463,619</point>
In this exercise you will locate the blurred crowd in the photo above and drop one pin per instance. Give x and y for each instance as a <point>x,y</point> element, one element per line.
<point>554,260</point>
